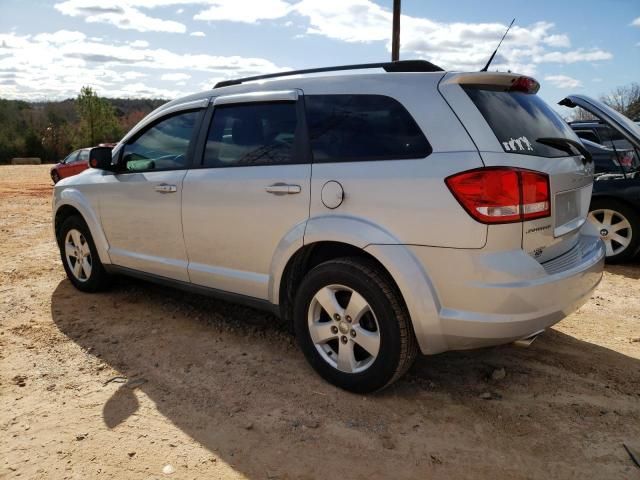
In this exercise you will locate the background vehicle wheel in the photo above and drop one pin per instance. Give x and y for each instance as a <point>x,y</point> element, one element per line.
<point>619,227</point>
<point>352,325</point>
<point>80,257</point>
<point>55,177</point>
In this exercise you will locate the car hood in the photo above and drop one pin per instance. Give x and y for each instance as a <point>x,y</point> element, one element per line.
<point>628,129</point>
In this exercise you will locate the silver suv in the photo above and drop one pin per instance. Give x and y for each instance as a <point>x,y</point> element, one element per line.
<point>382,213</point>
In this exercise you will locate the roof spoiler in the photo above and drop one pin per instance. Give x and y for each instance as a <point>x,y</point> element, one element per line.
<point>399,66</point>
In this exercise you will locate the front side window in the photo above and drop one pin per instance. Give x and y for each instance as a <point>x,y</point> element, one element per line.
<point>164,146</point>
<point>83,156</point>
<point>347,128</point>
<point>252,134</point>
<point>72,157</point>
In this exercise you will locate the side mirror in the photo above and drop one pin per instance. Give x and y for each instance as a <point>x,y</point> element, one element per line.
<point>100,158</point>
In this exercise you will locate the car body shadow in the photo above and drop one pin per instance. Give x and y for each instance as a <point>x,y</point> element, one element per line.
<point>630,269</point>
<point>232,379</point>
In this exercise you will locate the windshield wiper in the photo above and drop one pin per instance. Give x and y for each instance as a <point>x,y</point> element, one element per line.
<point>565,144</point>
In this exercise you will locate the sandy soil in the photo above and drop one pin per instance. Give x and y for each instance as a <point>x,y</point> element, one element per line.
<point>221,391</point>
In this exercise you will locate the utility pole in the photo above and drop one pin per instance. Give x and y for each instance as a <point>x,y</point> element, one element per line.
<point>395,38</point>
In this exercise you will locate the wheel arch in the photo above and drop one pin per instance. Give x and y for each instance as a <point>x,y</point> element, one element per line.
<point>311,255</point>
<point>71,202</point>
<point>335,237</point>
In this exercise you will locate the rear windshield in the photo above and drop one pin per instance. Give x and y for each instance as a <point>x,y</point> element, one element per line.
<point>519,119</point>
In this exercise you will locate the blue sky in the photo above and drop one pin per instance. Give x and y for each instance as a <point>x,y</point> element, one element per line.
<point>167,48</point>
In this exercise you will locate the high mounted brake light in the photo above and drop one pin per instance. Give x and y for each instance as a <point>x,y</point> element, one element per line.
<point>502,194</point>
<point>524,85</point>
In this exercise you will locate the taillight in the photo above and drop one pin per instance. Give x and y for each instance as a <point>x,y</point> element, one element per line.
<point>502,194</point>
<point>524,85</point>
<point>627,159</point>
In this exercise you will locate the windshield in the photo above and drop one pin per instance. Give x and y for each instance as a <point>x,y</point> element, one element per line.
<point>519,119</point>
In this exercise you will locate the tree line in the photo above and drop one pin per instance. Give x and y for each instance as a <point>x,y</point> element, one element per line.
<point>51,130</point>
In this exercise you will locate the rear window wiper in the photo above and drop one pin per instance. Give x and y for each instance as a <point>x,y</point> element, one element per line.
<point>565,144</point>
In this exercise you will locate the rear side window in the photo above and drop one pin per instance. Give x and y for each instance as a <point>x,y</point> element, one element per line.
<point>252,134</point>
<point>349,128</point>
<point>519,119</point>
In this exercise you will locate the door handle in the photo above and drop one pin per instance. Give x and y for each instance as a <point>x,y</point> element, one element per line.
<point>165,188</point>
<point>283,189</point>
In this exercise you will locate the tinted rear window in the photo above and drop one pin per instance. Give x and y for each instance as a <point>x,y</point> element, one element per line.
<point>346,128</point>
<point>518,119</point>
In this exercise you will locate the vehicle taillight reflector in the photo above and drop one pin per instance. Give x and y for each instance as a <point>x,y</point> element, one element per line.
<point>502,194</point>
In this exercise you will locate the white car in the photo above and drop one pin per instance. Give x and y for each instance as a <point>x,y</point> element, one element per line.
<point>383,213</point>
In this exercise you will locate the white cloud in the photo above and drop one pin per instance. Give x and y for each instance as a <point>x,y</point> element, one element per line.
<point>198,34</point>
<point>119,14</point>
<point>561,41</point>
<point>563,81</point>
<point>457,46</point>
<point>131,75</point>
<point>636,22</point>
<point>60,37</point>
<point>574,56</point>
<point>245,11</point>
<point>57,65</point>
<point>139,43</point>
<point>597,80</point>
<point>175,77</point>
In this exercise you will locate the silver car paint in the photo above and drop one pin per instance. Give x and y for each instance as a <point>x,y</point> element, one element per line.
<point>398,211</point>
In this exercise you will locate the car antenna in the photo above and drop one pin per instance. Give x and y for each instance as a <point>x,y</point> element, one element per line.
<point>496,50</point>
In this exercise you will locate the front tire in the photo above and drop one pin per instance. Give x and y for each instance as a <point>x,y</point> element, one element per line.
<point>352,325</point>
<point>55,177</point>
<point>80,257</point>
<point>619,227</point>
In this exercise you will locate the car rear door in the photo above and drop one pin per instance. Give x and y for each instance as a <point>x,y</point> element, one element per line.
<point>506,118</point>
<point>248,190</point>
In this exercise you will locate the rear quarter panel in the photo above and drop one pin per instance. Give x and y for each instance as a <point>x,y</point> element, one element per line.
<point>407,198</point>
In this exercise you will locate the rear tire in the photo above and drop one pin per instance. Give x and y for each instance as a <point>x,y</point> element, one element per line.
<point>619,227</point>
<point>80,257</point>
<point>352,325</point>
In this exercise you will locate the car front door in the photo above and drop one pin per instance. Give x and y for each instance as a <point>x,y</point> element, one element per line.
<point>82,162</point>
<point>66,166</point>
<point>140,204</point>
<point>249,191</point>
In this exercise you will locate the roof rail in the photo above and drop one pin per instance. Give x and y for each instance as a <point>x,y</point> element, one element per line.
<point>399,66</point>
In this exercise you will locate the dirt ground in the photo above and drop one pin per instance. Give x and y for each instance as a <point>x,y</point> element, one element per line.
<point>220,391</point>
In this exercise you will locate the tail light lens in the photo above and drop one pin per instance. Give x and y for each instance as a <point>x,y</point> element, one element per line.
<point>502,194</point>
<point>524,85</point>
<point>627,159</point>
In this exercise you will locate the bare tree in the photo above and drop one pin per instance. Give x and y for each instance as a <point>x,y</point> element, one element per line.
<point>580,114</point>
<point>625,99</point>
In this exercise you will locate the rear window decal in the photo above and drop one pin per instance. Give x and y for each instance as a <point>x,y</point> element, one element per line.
<point>518,144</point>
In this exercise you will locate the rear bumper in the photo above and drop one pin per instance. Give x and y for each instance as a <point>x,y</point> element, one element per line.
<point>494,298</point>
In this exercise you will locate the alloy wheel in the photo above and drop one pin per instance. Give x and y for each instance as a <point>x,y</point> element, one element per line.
<point>78,255</point>
<point>614,228</point>
<point>344,328</point>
